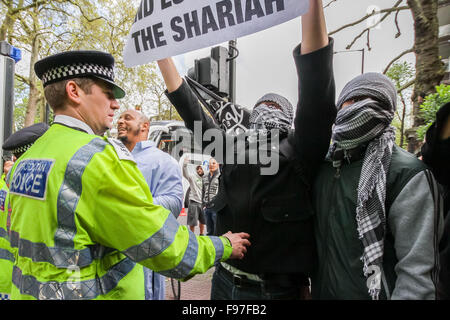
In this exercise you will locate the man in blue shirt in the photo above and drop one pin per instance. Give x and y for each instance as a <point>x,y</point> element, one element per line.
<point>163,176</point>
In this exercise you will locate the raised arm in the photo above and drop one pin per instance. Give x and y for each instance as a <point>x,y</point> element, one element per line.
<point>170,74</point>
<point>189,108</point>
<point>316,109</point>
<point>185,170</point>
<point>314,29</point>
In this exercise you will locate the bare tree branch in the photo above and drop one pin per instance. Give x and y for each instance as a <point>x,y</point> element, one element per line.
<point>84,14</point>
<point>399,33</point>
<point>387,11</point>
<point>329,3</point>
<point>396,58</point>
<point>22,79</point>
<point>356,38</point>
<point>32,5</point>
<point>406,85</point>
<point>25,25</point>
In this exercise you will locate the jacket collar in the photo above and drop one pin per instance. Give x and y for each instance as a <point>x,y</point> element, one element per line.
<point>214,174</point>
<point>73,123</point>
<point>350,155</point>
<point>141,145</point>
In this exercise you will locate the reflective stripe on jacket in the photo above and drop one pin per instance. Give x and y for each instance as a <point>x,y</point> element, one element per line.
<point>87,224</point>
<point>6,253</point>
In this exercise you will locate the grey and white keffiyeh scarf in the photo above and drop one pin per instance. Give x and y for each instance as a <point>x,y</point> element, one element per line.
<point>265,116</point>
<point>368,122</point>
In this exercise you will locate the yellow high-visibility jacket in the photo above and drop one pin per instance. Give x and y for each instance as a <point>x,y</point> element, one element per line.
<point>86,224</point>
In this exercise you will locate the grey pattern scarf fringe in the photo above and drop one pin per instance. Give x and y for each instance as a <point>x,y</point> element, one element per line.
<point>368,121</point>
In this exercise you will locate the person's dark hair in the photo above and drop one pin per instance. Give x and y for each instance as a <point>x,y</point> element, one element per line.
<point>56,95</point>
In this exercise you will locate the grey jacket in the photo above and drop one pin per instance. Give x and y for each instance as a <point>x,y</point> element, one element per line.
<point>210,188</point>
<point>195,183</point>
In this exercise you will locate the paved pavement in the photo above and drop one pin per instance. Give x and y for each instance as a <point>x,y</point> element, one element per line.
<point>197,288</point>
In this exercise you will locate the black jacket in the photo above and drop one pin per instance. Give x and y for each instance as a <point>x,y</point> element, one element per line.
<point>210,188</point>
<point>436,154</point>
<point>275,209</point>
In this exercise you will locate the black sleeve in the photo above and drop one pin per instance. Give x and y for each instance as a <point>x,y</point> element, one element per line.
<point>316,109</point>
<point>436,152</point>
<point>190,109</point>
<point>203,192</point>
<point>443,286</point>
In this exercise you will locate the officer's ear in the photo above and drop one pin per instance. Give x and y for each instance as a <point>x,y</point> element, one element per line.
<point>73,92</point>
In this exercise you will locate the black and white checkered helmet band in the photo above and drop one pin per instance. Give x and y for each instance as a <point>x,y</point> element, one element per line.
<point>77,69</point>
<point>22,149</point>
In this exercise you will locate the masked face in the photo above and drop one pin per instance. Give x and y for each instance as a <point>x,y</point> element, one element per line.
<point>352,101</point>
<point>369,85</point>
<point>269,115</point>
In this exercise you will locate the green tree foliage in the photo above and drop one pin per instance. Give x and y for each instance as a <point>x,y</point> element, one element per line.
<point>402,73</point>
<point>21,101</point>
<point>44,27</point>
<point>432,103</point>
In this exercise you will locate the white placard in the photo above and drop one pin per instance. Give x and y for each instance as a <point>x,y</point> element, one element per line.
<point>165,28</point>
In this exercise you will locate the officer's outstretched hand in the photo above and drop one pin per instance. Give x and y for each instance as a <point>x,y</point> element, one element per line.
<point>239,242</point>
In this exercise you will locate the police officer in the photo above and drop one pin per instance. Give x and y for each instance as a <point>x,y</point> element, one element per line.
<point>87,222</point>
<point>16,144</point>
<point>20,141</point>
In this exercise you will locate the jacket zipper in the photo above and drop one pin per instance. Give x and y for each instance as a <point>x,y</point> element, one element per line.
<point>337,165</point>
<point>333,198</point>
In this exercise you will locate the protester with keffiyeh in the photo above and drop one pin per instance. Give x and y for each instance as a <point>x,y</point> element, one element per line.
<point>378,218</point>
<point>275,207</point>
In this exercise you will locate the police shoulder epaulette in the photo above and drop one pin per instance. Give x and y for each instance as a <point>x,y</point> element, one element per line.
<point>122,152</point>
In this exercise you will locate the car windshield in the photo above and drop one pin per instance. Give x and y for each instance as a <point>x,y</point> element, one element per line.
<point>154,136</point>
<point>178,141</point>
